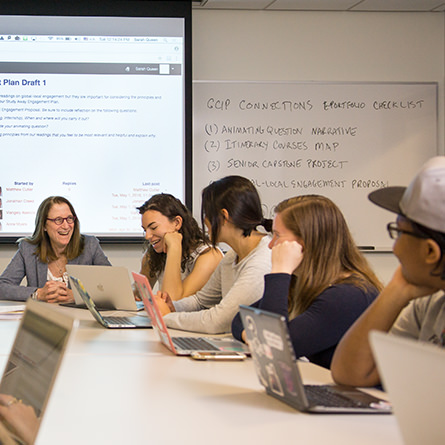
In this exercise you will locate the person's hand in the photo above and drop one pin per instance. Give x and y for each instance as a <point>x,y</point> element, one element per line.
<point>168,301</point>
<point>55,292</point>
<point>172,240</point>
<point>137,295</point>
<point>286,257</point>
<point>165,303</point>
<point>405,290</point>
<point>20,418</point>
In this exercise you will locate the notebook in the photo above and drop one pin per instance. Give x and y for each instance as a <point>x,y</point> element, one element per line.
<point>181,345</point>
<point>277,369</point>
<point>110,322</point>
<point>108,286</point>
<point>40,343</point>
<point>413,374</point>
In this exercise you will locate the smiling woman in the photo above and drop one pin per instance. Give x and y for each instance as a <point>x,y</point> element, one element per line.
<point>178,255</point>
<point>42,257</point>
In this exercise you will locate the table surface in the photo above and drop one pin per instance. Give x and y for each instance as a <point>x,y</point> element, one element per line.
<point>123,386</point>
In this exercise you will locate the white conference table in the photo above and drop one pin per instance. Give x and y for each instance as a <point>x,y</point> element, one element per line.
<point>124,387</point>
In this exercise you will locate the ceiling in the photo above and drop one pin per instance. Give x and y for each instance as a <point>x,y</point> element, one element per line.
<point>325,5</point>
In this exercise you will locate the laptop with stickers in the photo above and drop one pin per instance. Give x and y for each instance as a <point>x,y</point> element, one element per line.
<point>277,369</point>
<point>181,345</point>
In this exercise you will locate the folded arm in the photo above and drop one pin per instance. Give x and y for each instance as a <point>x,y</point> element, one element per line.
<point>353,362</point>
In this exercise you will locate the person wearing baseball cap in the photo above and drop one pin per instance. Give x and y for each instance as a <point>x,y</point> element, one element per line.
<point>413,302</point>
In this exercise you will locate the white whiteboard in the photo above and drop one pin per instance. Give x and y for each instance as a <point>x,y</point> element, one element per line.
<point>341,140</point>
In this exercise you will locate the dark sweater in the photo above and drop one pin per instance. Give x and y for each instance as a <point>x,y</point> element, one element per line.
<point>316,332</point>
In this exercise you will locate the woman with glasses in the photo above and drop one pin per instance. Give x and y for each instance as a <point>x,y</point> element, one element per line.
<point>42,257</point>
<point>319,280</point>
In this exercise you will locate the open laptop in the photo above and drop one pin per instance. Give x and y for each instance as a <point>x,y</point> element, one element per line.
<point>110,322</point>
<point>40,343</point>
<point>181,345</point>
<point>108,286</point>
<point>413,374</point>
<point>277,369</point>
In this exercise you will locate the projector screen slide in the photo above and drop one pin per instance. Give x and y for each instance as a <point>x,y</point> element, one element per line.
<point>93,109</point>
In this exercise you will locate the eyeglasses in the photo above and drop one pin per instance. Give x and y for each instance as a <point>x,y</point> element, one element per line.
<point>394,232</point>
<point>59,220</point>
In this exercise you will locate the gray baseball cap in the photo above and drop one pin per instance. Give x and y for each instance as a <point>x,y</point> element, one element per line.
<point>423,201</point>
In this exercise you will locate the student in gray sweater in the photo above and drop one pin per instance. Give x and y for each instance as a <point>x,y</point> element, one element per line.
<point>231,211</point>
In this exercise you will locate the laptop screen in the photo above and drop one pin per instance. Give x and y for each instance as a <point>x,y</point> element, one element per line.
<point>34,359</point>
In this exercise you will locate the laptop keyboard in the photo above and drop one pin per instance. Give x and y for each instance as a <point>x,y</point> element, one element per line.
<point>325,396</point>
<point>119,320</point>
<point>193,343</point>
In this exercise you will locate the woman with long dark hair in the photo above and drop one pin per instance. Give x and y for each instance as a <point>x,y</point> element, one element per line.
<point>178,255</point>
<point>231,211</point>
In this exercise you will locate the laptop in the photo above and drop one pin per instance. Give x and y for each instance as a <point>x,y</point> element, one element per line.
<point>40,344</point>
<point>181,345</point>
<point>412,372</point>
<point>277,369</point>
<point>109,287</point>
<point>110,322</point>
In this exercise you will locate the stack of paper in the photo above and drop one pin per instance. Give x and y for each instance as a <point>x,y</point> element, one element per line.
<point>11,311</point>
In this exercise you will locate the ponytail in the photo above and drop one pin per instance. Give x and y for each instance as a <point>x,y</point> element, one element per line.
<point>267,224</point>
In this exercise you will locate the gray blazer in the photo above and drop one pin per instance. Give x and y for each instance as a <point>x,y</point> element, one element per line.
<point>26,264</point>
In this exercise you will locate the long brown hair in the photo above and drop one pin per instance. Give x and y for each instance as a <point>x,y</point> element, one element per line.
<point>40,236</point>
<point>330,254</point>
<point>192,235</point>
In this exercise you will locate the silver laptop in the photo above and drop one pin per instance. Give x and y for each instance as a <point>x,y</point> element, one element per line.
<point>108,286</point>
<point>277,369</point>
<point>182,345</point>
<point>110,322</point>
<point>413,374</point>
<point>40,343</point>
